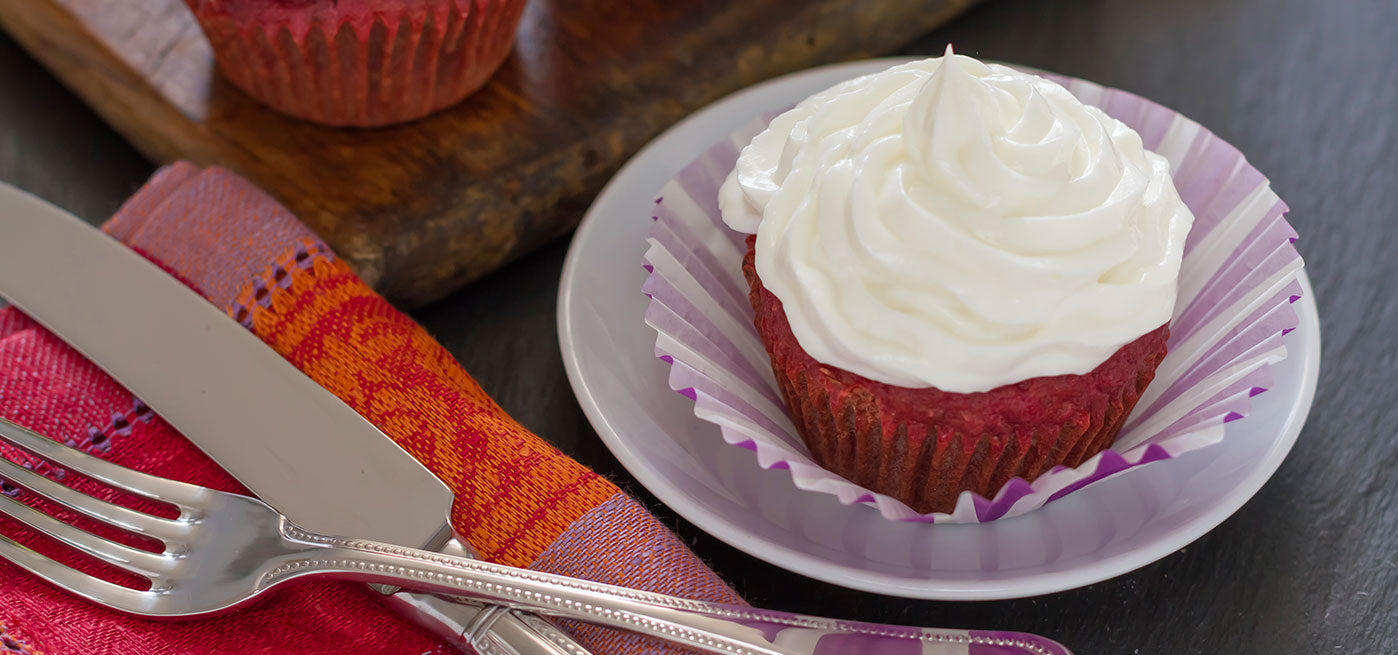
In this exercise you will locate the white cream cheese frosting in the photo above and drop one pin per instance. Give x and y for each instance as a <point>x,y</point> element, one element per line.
<point>952,224</point>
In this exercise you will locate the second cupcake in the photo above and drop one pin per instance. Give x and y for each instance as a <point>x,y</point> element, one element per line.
<point>359,62</point>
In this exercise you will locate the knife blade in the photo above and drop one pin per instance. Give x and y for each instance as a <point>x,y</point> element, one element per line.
<point>282,435</point>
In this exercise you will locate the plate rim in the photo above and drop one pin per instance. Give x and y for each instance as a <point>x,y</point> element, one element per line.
<point>808,565</point>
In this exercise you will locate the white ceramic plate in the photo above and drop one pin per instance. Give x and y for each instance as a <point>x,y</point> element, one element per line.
<point>1102,531</point>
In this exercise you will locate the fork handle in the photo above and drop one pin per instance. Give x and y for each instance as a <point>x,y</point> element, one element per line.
<point>712,627</point>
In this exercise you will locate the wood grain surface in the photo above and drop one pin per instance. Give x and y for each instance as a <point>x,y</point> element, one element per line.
<point>1306,88</point>
<point>422,208</point>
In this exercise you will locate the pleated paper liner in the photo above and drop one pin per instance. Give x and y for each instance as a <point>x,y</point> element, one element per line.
<point>1237,282</point>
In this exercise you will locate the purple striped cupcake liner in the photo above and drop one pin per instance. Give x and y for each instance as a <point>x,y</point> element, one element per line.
<point>1237,282</point>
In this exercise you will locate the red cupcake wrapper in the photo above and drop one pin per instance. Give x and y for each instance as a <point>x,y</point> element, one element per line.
<point>362,70</point>
<point>925,446</point>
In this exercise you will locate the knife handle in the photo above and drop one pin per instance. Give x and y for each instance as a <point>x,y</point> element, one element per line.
<point>484,629</point>
<point>472,627</point>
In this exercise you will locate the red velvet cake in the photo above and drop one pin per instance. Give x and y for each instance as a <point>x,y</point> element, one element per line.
<point>925,446</point>
<point>962,275</point>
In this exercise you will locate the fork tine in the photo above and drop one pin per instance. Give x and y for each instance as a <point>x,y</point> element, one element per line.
<point>75,581</point>
<point>186,496</point>
<point>121,556</point>
<point>101,510</point>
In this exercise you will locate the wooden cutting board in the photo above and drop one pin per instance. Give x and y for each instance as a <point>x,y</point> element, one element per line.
<point>423,208</point>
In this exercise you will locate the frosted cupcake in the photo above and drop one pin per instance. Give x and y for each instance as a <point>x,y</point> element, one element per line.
<point>962,274</point>
<point>358,62</point>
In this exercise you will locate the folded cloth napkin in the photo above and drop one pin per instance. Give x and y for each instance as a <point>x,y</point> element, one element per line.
<point>518,500</point>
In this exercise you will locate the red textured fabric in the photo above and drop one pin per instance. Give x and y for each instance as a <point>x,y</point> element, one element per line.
<point>48,387</point>
<point>925,446</point>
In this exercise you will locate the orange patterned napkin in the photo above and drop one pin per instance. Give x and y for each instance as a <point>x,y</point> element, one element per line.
<point>518,500</point>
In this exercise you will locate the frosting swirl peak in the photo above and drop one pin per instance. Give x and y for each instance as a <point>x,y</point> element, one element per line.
<point>952,224</point>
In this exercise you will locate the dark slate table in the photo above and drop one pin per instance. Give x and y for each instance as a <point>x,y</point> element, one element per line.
<point>1306,88</point>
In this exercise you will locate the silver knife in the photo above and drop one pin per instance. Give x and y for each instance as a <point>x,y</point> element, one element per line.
<point>301,449</point>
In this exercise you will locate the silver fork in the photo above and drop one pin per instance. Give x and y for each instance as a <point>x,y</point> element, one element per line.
<point>224,550</point>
